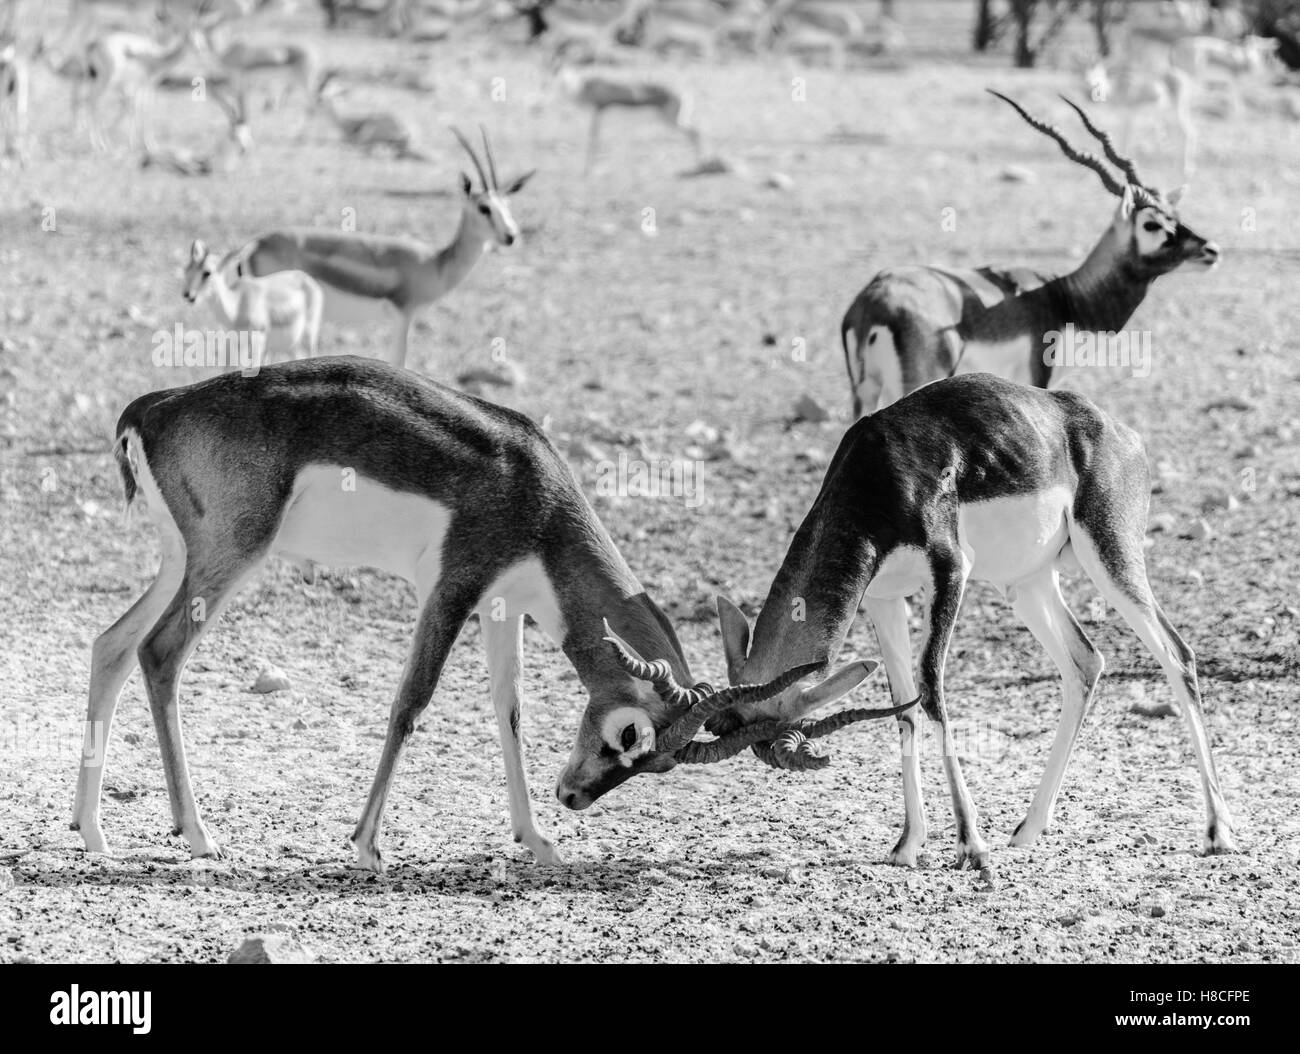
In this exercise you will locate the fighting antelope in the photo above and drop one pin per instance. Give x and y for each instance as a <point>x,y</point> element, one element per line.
<point>599,91</point>
<point>370,131</point>
<point>285,307</point>
<point>376,278</point>
<point>914,325</point>
<point>15,86</point>
<point>347,461</point>
<point>973,478</point>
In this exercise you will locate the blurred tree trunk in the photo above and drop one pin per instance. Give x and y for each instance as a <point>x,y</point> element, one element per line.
<point>1025,13</point>
<point>986,26</point>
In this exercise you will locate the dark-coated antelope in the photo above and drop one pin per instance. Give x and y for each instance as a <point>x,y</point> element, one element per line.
<point>376,278</point>
<point>347,461</point>
<point>914,325</point>
<point>971,478</point>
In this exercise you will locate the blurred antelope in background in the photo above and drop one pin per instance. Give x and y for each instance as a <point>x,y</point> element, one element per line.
<point>15,89</point>
<point>914,325</point>
<point>599,91</point>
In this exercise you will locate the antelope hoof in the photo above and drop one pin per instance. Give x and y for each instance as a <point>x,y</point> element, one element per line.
<point>1219,841</point>
<point>1026,833</point>
<point>543,850</point>
<point>972,852</point>
<point>202,846</point>
<point>370,860</point>
<point>92,837</point>
<point>904,854</point>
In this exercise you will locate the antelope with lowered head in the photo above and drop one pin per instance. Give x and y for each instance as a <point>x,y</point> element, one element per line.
<point>347,461</point>
<point>914,325</point>
<point>978,478</point>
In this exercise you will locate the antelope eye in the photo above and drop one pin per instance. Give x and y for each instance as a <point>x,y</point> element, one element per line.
<point>1151,226</point>
<point>485,210</point>
<point>628,737</point>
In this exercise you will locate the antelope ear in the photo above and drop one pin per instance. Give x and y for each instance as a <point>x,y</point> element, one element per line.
<point>735,636</point>
<point>467,188</point>
<point>516,185</point>
<point>841,682</point>
<point>198,250</point>
<point>1178,194</point>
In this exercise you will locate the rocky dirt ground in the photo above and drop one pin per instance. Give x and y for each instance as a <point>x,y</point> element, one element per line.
<point>640,342</point>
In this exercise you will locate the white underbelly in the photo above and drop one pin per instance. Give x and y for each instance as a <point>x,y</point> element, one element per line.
<point>1006,358</point>
<point>1007,539</point>
<point>338,518</point>
<point>342,307</point>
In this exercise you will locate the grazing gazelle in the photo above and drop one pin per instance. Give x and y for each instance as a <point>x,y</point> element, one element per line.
<point>599,91</point>
<point>377,278</point>
<point>285,306</point>
<point>347,461</point>
<point>914,325</point>
<point>970,478</point>
<point>369,130</point>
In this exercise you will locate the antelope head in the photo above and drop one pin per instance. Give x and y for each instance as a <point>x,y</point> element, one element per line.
<point>487,210</point>
<point>1146,233</point>
<point>652,727</point>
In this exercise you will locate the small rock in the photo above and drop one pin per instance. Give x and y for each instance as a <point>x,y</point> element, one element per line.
<point>500,375</point>
<point>702,433</point>
<point>6,880</point>
<point>1200,531</point>
<point>581,450</point>
<point>1162,523</point>
<point>1018,174</point>
<point>1250,452</point>
<point>778,181</point>
<point>271,679</point>
<point>806,408</point>
<point>1220,499</point>
<point>276,947</point>
<point>1157,912</point>
<point>1070,920</point>
<point>1229,402</point>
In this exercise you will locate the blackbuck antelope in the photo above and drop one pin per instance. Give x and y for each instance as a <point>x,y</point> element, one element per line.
<point>376,278</point>
<point>284,307</point>
<point>914,325</point>
<point>973,478</point>
<point>600,91</point>
<point>347,461</point>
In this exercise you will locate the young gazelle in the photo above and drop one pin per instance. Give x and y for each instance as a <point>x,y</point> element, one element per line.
<point>285,306</point>
<point>347,461</point>
<point>970,478</point>
<point>914,325</point>
<point>376,278</point>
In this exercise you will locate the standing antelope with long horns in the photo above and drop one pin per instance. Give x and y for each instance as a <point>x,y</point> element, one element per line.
<point>376,278</point>
<point>347,461</point>
<point>914,325</point>
<point>970,478</point>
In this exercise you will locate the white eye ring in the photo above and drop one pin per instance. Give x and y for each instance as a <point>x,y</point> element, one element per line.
<point>619,719</point>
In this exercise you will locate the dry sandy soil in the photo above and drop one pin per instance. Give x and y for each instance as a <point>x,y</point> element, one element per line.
<point>627,339</point>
